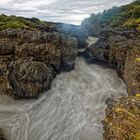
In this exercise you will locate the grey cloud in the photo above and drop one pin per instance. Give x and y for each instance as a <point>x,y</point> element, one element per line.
<point>69,11</point>
<point>15,10</point>
<point>19,1</point>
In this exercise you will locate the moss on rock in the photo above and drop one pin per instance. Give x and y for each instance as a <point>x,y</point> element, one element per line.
<point>123,120</point>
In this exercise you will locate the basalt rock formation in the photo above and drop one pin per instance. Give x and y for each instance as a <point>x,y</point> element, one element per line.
<point>30,59</point>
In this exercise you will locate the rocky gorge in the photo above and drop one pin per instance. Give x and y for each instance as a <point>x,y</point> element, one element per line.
<point>31,58</point>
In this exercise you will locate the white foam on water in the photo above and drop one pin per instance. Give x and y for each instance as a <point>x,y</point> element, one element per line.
<point>72,110</point>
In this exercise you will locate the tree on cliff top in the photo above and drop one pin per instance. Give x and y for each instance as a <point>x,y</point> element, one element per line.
<point>124,16</point>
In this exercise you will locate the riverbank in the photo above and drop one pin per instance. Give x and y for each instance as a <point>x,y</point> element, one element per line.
<point>120,49</point>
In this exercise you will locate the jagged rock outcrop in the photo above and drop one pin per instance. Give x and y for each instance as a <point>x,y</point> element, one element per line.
<point>28,78</point>
<point>30,59</point>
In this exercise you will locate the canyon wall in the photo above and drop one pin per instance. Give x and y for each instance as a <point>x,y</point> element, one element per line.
<point>30,59</point>
<point>119,48</point>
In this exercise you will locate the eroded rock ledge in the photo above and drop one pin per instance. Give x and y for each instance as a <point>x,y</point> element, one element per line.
<point>30,59</point>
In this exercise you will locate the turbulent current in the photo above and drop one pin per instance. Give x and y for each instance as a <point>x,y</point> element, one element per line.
<point>72,110</point>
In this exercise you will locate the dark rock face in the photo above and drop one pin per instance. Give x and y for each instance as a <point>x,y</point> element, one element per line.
<point>120,49</point>
<point>68,30</point>
<point>68,52</point>
<point>91,27</point>
<point>30,59</point>
<point>73,31</point>
<point>132,70</point>
<point>28,78</point>
<point>1,135</point>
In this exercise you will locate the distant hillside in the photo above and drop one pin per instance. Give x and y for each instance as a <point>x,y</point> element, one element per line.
<point>124,16</point>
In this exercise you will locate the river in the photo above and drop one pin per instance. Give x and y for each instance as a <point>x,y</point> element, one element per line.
<point>72,110</point>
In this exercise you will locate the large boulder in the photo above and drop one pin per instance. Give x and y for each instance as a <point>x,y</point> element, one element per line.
<point>28,78</point>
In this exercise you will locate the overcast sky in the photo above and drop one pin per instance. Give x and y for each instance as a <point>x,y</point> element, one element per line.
<point>68,11</point>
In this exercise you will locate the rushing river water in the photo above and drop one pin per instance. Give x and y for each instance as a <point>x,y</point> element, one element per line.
<point>71,110</point>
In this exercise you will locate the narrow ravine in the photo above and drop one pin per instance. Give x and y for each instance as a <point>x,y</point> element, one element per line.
<point>71,110</point>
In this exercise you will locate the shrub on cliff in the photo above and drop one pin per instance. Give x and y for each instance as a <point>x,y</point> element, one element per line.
<point>128,15</point>
<point>19,22</point>
<point>124,16</point>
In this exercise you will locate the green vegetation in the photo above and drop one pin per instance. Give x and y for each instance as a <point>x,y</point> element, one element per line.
<point>123,120</point>
<point>124,16</point>
<point>138,59</point>
<point>20,22</point>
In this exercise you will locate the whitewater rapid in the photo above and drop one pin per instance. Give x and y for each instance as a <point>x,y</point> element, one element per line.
<point>72,110</point>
